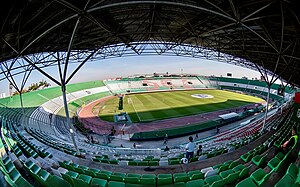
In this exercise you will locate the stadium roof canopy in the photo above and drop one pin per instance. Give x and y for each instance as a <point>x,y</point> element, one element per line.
<point>261,34</point>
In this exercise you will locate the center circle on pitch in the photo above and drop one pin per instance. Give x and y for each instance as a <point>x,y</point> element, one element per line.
<point>202,96</point>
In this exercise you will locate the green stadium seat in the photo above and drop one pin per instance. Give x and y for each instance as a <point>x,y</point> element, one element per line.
<point>180,184</point>
<point>73,165</point>
<point>286,180</point>
<point>259,160</point>
<point>174,162</point>
<point>68,178</point>
<point>98,182</point>
<point>218,166</point>
<point>83,167</point>
<point>143,163</point>
<point>9,167</point>
<point>293,171</point>
<point>116,184</point>
<point>247,157</point>
<point>210,180</point>
<point>61,164</point>
<point>277,143</point>
<point>78,170</point>
<point>164,179</point>
<point>260,177</point>
<point>72,174</point>
<point>82,181</point>
<point>219,183</point>
<point>275,164</point>
<point>194,159</point>
<point>180,177</point>
<point>148,179</point>
<point>90,173</point>
<point>224,174</point>
<point>29,164</point>
<point>195,175</point>
<point>229,176</point>
<point>195,183</point>
<point>233,164</point>
<point>119,174</point>
<point>133,175</point>
<point>113,161</point>
<point>18,183</point>
<point>244,172</point>
<point>223,167</point>
<point>43,176</point>
<point>107,172</point>
<point>14,175</point>
<point>132,180</point>
<point>94,170</point>
<point>85,178</point>
<point>132,163</point>
<point>279,156</point>
<point>5,160</point>
<point>248,182</point>
<point>238,168</point>
<point>153,163</point>
<point>35,169</point>
<point>116,178</point>
<point>103,176</point>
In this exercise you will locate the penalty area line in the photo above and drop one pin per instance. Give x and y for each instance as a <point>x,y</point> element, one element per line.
<point>132,104</point>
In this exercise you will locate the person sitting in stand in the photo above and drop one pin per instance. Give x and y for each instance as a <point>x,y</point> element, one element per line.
<point>290,144</point>
<point>166,148</point>
<point>199,151</point>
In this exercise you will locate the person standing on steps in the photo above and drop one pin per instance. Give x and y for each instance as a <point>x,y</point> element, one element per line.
<point>218,130</point>
<point>166,139</point>
<point>190,147</point>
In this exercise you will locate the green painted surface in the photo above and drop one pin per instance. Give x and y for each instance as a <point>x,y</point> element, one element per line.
<point>163,105</point>
<point>74,105</point>
<point>36,98</point>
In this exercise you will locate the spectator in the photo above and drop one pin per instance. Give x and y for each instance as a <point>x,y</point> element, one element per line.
<point>199,151</point>
<point>166,139</point>
<point>190,147</point>
<point>134,145</point>
<point>112,131</point>
<point>166,148</point>
<point>218,130</point>
<point>121,145</point>
<point>196,137</point>
<point>290,144</point>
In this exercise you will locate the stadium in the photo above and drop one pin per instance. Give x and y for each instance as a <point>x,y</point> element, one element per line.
<point>134,130</point>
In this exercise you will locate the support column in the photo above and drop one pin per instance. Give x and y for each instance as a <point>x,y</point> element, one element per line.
<point>266,113</point>
<point>23,112</point>
<point>71,128</point>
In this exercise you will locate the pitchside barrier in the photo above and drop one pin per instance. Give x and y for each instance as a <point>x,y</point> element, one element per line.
<point>189,129</point>
<point>130,151</point>
<point>174,132</point>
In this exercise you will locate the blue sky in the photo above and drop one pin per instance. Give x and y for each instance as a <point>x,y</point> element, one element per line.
<point>126,66</point>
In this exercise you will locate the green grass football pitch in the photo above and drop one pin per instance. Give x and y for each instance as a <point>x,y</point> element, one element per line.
<point>162,105</point>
